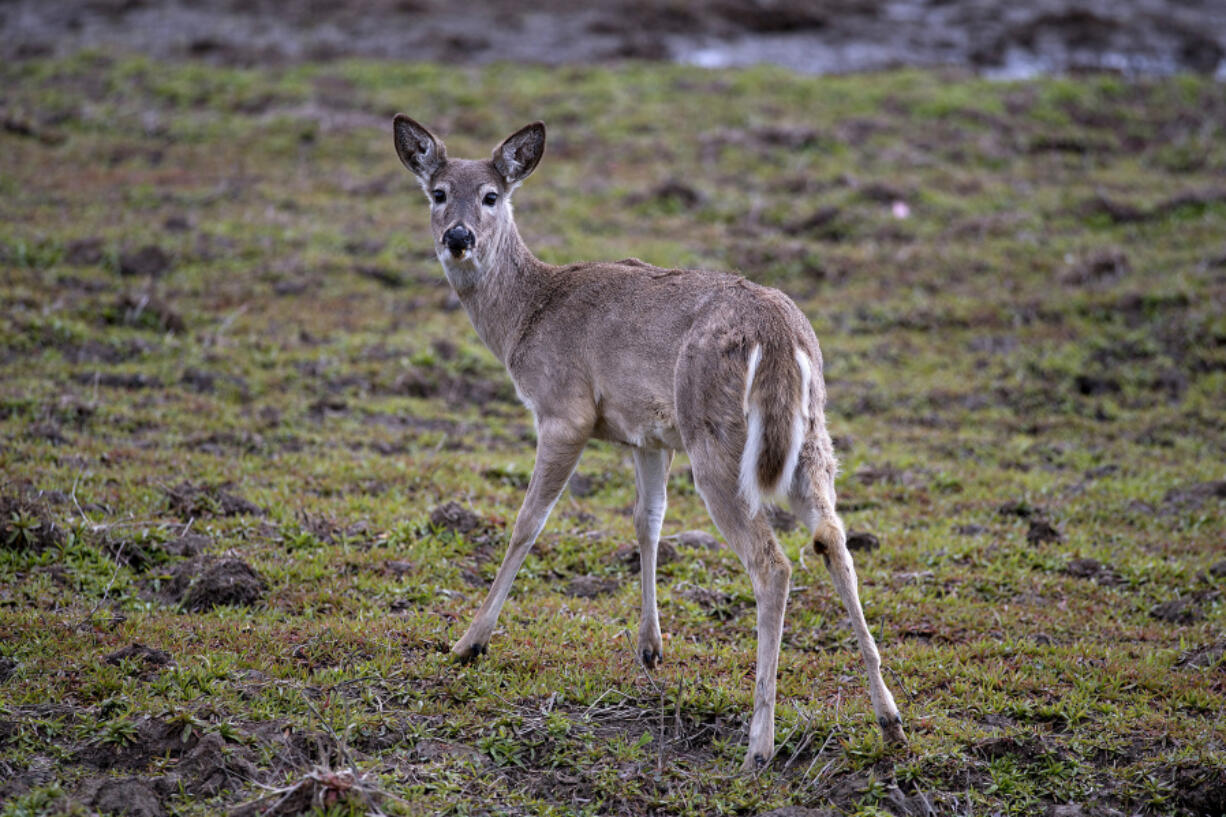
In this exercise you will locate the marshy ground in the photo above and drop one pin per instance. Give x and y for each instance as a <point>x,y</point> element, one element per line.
<point>237,402</point>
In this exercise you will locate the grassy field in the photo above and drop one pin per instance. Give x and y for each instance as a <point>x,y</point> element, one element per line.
<point>236,396</point>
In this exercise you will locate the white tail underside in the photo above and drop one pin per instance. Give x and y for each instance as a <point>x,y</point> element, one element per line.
<point>750,488</point>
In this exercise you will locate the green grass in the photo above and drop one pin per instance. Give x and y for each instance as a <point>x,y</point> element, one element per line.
<point>990,350</point>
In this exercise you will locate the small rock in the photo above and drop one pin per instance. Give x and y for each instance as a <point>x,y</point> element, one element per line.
<point>862,540</point>
<point>589,587</point>
<point>697,539</point>
<point>1069,810</point>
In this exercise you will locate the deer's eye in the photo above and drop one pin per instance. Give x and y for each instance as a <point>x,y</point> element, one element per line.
<point>439,196</point>
<point>489,199</point>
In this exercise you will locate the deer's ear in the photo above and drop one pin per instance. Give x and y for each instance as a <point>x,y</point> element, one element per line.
<point>518,156</point>
<point>419,149</point>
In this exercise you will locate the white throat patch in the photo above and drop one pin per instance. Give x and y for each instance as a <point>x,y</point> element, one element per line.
<point>462,273</point>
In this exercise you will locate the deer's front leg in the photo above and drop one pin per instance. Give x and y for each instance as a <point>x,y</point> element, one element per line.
<point>651,482</point>
<point>558,448</point>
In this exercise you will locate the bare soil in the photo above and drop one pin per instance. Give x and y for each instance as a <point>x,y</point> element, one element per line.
<point>831,36</point>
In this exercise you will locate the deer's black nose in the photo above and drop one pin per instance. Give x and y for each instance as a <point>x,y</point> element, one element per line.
<point>458,239</point>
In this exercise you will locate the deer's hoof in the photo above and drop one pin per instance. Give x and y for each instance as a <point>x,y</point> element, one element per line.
<point>651,657</point>
<point>466,654</point>
<point>755,762</point>
<point>891,728</point>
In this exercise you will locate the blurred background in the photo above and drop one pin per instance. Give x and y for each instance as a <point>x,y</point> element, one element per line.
<point>996,37</point>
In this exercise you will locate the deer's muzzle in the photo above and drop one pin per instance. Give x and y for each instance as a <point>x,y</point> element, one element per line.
<point>458,239</point>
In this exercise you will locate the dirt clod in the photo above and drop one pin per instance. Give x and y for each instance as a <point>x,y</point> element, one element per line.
<point>132,797</point>
<point>205,583</point>
<point>628,555</point>
<point>149,261</point>
<point>718,605</point>
<point>83,252</point>
<point>150,738</point>
<point>1101,265</point>
<point>1200,789</point>
<point>862,541</point>
<point>26,524</point>
<point>144,311</point>
<point>1209,656</point>
<point>318,790</point>
<point>191,501</point>
<point>1041,531</point>
<point>145,655</point>
<point>213,766</point>
<point>1019,508</point>
<point>1193,497</point>
<point>456,518</point>
<point>1093,570</point>
<point>672,192</point>
<point>1184,610</point>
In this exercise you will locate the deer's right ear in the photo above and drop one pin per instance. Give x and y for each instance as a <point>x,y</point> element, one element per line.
<point>419,149</point>
<point>520,153</point>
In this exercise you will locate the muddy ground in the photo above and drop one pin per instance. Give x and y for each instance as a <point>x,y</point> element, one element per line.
<point>257,471</point>
<point>1136,37</point>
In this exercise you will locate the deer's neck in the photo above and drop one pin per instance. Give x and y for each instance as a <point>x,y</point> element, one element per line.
<point>499,289</point>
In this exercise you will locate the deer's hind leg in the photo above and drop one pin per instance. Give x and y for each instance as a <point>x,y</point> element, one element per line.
<point>750,536</point>
<point>651,482</point>
<point>812,499</point>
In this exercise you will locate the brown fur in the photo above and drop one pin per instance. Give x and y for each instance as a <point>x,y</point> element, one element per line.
<point>656,359</point>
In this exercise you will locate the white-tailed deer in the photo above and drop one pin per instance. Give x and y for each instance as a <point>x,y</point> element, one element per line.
<point>658,360</point>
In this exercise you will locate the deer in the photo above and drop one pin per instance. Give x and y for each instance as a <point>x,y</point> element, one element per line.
<point>658,360</point>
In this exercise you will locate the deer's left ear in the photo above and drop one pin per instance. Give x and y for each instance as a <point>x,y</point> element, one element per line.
<point>518,156</point>
<point>419,149</point>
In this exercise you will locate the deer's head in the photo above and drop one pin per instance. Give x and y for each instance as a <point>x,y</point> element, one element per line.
<point>470,199</point>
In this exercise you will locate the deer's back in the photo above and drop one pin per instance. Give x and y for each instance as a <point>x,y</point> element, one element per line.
<point>614,336</point>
